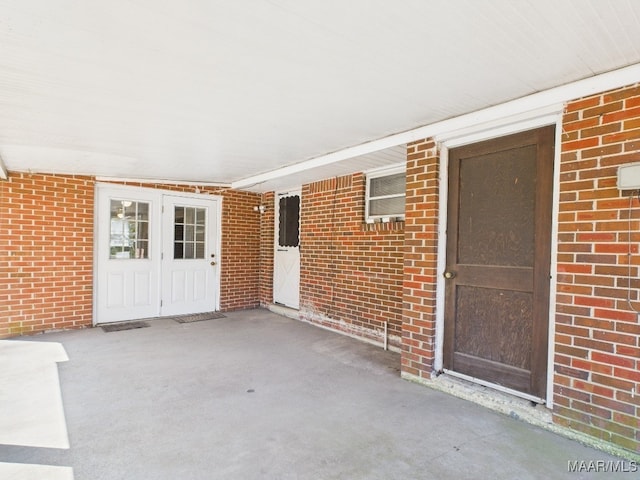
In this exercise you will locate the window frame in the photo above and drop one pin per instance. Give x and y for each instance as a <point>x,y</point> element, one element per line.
<point>375,174</point>
<point>187,240</point>
<point>135,242</point>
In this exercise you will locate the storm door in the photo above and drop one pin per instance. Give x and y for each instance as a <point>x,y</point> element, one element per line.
<point>498,260</point>
<point>286,269</point>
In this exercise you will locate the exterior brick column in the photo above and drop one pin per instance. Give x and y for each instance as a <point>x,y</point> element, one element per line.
<point>420,259</point>
<point>267,239</point>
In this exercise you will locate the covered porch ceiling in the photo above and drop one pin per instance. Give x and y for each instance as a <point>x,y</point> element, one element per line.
<point>239,92</point>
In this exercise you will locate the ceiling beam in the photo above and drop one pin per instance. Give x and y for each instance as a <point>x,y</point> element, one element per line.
<point>159,181</point>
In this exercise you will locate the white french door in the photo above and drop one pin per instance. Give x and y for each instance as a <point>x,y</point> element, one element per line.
<point>190,256</point>
<point>286,269</point>
<point>157,254</point>
<point>127,251</point>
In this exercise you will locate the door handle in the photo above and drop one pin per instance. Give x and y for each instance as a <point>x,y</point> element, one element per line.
<point>283,249</point>
<point>449,275</point>
<point>213,263</point>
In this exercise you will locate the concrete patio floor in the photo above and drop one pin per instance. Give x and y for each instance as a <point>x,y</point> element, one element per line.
<point>259,396</point>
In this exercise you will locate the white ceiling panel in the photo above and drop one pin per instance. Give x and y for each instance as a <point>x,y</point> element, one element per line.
<point>221,91</point>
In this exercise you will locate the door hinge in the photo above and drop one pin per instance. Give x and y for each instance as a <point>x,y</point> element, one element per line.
<point>160,303</point>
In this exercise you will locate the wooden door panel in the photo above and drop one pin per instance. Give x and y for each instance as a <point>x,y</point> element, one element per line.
<point>491,321</point>
<point>498,257</point>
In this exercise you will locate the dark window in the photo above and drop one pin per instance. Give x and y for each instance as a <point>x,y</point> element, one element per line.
<point>189,233</point>
<point>289,222</point>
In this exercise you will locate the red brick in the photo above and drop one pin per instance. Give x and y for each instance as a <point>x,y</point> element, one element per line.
<point>612,359</point>
<point>622,136</point>
<point>621,315</point>
<point>583,104</point>
<point>603,109</point>
<point>593,249</point>
<point>621,114</point>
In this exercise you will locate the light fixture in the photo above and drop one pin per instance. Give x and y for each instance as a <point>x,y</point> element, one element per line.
<point>629,176</point>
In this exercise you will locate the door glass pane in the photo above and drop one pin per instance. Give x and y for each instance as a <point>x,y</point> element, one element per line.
<point>200,233</point>
<point>143,247</point>
<point>289,221</point>
<point>179,214</point>
<point>189,216</point>
<point>143,209</point>
<point>178,250</point>
<point>189,233</point>
<point>178,232</point>
<point>129,231</point>
<point>199,249</point>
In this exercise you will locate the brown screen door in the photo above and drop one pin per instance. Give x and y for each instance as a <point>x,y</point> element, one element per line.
<point>498,260</point>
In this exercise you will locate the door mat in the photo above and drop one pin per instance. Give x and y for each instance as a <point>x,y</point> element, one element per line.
<point>198,317</point>
<point>117,327</point>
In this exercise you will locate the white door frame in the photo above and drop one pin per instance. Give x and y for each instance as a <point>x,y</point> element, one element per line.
<point>157,232</point>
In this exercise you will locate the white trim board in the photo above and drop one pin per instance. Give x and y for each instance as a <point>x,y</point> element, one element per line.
<point>535,102</point>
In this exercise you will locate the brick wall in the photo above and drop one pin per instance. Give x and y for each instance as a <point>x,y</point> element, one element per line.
<point>267,239</point>
<point>46,247</point>
<point>597,351</point>
<point>351,272</point>
<point>240,274</point>
<point>420,259</point>
<point>46,251</point>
